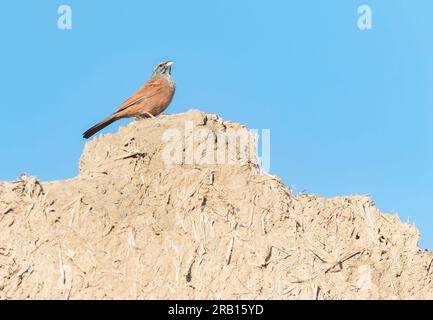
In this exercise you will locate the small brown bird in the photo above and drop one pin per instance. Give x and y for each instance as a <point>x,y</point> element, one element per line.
<point>149,101</point>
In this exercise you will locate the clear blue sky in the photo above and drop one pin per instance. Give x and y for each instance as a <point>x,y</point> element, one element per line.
<point>350,111</point>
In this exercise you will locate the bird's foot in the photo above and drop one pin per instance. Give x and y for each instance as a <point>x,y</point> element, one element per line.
<point>144,116</point>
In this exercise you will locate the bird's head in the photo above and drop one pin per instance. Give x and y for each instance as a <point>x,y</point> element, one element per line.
<point>163,69</point>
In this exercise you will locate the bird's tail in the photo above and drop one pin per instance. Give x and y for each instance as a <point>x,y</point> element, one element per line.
<point>101,125</point>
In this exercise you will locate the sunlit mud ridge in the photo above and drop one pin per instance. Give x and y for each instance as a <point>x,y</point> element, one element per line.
<point>132,226</point>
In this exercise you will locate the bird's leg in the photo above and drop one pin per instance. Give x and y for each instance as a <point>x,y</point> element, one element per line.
<point>143,116</point>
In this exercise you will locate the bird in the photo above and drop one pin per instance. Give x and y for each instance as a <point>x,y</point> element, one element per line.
<point>147,102</point>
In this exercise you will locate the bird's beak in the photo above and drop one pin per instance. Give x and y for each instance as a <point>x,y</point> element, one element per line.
<point>169,63</point>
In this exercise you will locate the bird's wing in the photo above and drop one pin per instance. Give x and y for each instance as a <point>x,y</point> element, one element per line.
<point>150,89</point>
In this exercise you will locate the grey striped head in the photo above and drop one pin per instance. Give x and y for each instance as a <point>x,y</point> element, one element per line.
<point>163,69</point>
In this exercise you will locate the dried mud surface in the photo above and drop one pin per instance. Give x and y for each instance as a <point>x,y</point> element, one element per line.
<point>130,227</point>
